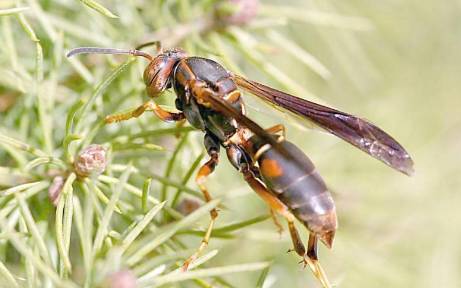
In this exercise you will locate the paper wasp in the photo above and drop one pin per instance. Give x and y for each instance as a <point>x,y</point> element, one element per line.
<point>209,99</point>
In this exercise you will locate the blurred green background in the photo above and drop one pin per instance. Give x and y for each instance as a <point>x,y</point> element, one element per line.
<point>395,63</point>
<point>404,75</point>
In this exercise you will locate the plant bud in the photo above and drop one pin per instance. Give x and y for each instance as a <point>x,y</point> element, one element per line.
<point>121,279</point>
<point>91,161</point>
<point>237,12</point>
<point>187,206</point>
<point>54,191</point>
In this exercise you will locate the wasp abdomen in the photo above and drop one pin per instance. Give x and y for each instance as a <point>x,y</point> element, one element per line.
<point>295,181</point>
<point>311,203</point>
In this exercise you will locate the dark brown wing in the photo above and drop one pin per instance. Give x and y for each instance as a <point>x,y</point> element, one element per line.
<point>358,132</point>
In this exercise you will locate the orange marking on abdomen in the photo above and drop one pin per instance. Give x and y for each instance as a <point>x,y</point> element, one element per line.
<point>271,168</point>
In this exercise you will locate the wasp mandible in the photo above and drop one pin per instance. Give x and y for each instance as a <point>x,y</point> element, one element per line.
<point>208,97</point>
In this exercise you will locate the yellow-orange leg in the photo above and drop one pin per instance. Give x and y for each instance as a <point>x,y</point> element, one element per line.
<point>309,258</point>
<point>276,129</point>
<point>202,175</point>
<point>276,205</point>
<point>276,221</point>
<point>148,106</point>
<point>179,124</point>
<point>313,262</point>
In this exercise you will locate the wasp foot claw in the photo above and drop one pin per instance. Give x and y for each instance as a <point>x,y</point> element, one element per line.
<point>317,270</point>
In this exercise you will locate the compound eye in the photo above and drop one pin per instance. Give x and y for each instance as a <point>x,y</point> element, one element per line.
<point>156,77</point>
<point>157,74</point>
<point>150,72</point>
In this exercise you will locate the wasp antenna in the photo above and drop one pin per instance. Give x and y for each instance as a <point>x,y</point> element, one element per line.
<point>98,50</point>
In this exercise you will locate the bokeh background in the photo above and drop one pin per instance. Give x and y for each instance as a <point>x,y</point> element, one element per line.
<point>396,63</point>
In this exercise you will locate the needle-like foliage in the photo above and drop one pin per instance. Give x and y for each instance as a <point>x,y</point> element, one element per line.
<point>61,226</point>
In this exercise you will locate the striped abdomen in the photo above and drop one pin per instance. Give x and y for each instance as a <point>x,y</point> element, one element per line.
<point>295,181</point>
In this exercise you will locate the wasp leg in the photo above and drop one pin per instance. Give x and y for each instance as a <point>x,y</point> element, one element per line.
<point>276,129</point>
<point>276,221</point>
<point>157,44</point>
<point>311,259</point>
<point>276,205</point>
<point>119,117</point>
<point>212,147</point>
<point>148,106</point>
<point>179,124</point>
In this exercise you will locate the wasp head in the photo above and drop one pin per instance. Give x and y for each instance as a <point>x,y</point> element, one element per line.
<point>158,74</point>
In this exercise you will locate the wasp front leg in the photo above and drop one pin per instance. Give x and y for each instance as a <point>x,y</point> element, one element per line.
<point>212,147</point>
<point>148,106</point>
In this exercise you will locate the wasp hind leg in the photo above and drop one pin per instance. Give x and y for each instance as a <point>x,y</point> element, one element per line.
<point>310,259</point>
<point>148,106</point>
<point>276,221</point>
<point>277,206</point>
<point>212,147</point>
<point>309,256</point>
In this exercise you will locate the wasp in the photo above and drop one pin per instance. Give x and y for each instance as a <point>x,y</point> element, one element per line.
<point>209,98</point>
